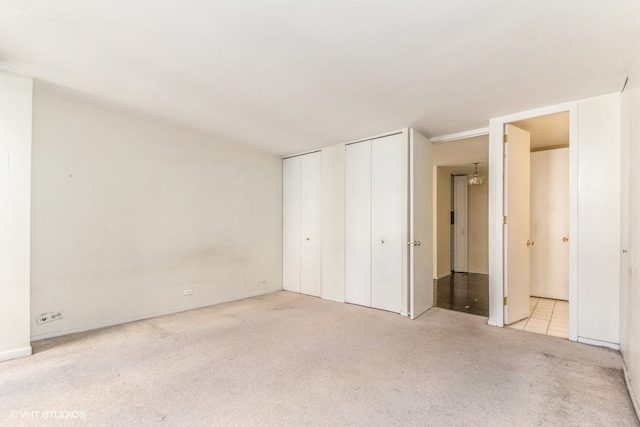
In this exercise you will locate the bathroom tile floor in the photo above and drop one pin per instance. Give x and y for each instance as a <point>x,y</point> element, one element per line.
<point>547,317</point>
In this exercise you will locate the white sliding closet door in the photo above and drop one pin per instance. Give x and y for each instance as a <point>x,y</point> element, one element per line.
<point>301,217</point>
<point>387,167</point>
<point>311,223</point>
<point>291,224</point>
<point>358,224</point>
<point>375,193</point>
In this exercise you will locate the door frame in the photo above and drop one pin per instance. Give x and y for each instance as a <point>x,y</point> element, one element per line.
<point>496,209</point>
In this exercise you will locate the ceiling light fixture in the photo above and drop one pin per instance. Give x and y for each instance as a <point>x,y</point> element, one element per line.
<point>476,178</point>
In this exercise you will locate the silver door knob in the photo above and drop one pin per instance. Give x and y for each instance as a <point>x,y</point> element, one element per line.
<point>415,243</point>
<point>308,238</point>
<point>382,242</point>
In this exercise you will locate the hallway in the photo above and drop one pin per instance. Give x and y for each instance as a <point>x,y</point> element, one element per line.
<point>464,292</point>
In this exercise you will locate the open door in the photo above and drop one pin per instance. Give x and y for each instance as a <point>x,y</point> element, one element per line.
<point>420,225</point>
<point>517,241</point>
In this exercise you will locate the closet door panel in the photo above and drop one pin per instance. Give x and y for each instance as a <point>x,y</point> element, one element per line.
<point>291,224</point>
<point>386,211</point>
<point>311,224</point>
<point>358,224</point>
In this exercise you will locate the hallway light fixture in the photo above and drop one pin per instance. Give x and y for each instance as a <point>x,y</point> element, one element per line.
<point>476,178</point>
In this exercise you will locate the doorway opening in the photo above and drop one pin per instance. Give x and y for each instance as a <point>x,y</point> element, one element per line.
<point>461,225</point>
<point>536,239</point>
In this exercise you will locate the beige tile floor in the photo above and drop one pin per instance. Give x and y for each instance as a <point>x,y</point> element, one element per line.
<point>547,316</point>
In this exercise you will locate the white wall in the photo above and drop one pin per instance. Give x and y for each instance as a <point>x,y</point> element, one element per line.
<point>15,207</point>
<point>630,281</point>
<point>333,222</point>
<point>126,214</point>
<point>599,218</point>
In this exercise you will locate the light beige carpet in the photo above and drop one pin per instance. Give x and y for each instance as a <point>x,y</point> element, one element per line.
<point>288,359</point>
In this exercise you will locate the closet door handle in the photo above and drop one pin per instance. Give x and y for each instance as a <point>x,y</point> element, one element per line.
<point>565,239</point>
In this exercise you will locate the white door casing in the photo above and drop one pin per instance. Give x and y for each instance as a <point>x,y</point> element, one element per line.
<point>496,211</point>
<point>517,238</point>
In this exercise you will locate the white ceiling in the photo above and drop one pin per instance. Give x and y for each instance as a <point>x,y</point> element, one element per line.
<point>288,75</point>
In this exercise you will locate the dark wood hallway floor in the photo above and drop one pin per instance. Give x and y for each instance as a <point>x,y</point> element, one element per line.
<point>465,292</point>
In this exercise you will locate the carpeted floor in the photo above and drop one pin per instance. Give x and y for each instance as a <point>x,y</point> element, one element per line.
<point>288,359</point>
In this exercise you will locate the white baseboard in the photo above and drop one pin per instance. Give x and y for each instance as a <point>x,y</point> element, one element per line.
<point>599,343</point>
<point>632,394</point>
<point>478,272</point>
<point>15,353</point>
<point>114,322</point>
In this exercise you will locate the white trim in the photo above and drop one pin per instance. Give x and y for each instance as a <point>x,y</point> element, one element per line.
<point>108,323</point>
<point>632,394</point>
<point>599,343</point>
<point>496,209</point>
<point>477,272</point>
<point>460,135</point>
<point>15,353</point>
<point>442,275</point>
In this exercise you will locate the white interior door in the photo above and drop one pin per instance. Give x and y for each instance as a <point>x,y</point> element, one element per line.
<point>460,223</point>
<point>291,224</point>
<point>420,225</point>
<point>311,223</point>
<point>517,229</point>
<point>358,223</point>
<point>550,224</point>
<point>387,168</point>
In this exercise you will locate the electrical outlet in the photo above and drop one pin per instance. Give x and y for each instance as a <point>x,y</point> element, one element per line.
<point>262,283</point>
<point>188,292</point>
<point>49,317</point>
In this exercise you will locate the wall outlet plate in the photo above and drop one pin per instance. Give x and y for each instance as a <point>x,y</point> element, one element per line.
<point>262,283</point>
<point>49,317</point>
<point>187,292</point>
